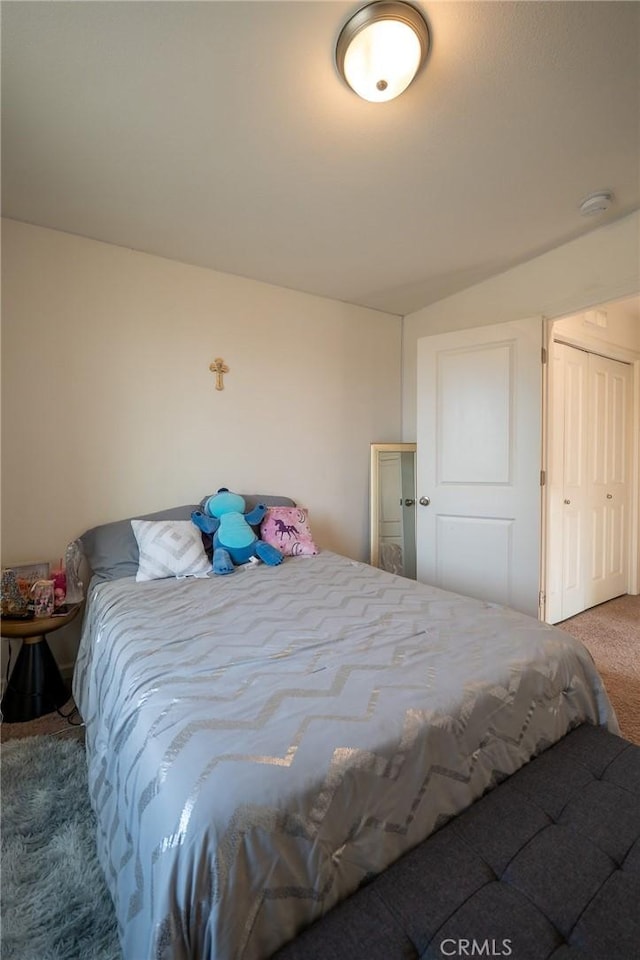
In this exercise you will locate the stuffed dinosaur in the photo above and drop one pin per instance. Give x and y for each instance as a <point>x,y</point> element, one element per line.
<point>234,542</point>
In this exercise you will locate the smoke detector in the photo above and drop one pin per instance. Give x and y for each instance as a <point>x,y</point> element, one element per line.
<point>596,203</point>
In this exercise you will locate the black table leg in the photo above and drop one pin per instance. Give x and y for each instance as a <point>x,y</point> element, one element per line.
<point>35,686</point>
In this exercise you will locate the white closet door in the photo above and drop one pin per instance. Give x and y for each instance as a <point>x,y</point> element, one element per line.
<point>609,479</point>
<point>478,462</point>
<point>589,481</point>
<point>568,482</point>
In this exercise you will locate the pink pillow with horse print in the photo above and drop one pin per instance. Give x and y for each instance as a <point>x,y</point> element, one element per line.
<point>287,528</point>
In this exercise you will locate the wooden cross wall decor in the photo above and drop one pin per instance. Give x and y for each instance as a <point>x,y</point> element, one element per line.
<point>219,367</point>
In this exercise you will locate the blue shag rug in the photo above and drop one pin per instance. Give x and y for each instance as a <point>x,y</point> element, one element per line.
<point>54,902</point>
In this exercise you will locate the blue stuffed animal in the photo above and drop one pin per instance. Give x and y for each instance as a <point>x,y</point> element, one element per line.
<point>234,542</point>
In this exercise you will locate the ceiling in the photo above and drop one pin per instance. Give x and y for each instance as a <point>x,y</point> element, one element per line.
<point>219,134</point>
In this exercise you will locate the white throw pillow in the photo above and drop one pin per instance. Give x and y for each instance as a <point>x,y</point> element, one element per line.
<point>169,548</point>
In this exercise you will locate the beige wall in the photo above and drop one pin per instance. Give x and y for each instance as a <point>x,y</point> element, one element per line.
<point>109,408</point>
<point>622,329</point>
<point>600,266</point>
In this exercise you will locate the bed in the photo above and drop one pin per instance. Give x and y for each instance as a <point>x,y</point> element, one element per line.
<point>261,744</point>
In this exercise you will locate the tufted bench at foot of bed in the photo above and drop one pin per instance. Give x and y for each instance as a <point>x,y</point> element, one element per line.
<point>545,866</point>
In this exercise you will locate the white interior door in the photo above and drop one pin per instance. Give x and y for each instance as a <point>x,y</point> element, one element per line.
<point>390,512</point>
<point>568,482</point>
<point>608,478</point>
<point>478,463</point>
<point>589,481</point>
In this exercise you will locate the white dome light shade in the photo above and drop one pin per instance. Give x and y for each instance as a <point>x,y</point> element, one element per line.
<point>382,60</point>
<point>381,49</point>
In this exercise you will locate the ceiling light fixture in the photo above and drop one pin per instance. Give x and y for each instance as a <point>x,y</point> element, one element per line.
<point>381,48</point>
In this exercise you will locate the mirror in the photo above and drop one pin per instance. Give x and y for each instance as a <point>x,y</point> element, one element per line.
<point>393,508</point>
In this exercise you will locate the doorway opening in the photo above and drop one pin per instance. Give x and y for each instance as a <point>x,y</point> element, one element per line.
<point>591,451</point>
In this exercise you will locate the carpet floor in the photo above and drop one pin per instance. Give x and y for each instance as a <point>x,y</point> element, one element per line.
<point>611,633</point>
<point>54,902</point>
<point>63,723</point>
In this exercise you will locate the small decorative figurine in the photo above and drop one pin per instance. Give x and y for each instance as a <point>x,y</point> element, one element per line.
<point>43,595</point>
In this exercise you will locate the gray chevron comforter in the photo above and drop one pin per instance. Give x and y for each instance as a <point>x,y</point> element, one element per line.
<point>259,744</point>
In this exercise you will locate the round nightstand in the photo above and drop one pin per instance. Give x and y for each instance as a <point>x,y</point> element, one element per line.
<point>35,686</point>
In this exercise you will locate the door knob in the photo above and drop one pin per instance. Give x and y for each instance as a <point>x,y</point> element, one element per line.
<point>409,502</point>
<point>424,501</point>
<point>567,501</point>
<point>609,496</point>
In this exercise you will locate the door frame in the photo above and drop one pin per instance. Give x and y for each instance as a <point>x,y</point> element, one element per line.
<point>613,352</point>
